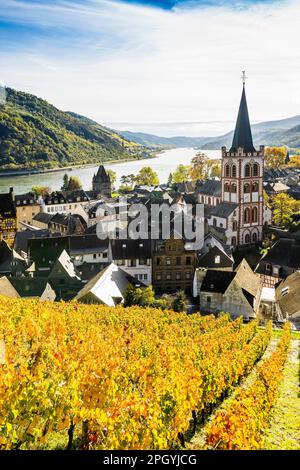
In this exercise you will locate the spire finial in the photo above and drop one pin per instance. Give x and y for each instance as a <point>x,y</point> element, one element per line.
<point>243,77</point>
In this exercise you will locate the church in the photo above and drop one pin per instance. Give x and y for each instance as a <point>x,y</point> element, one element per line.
<point>235,205</point>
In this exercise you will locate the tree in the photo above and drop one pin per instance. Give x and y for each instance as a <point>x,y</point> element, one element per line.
<point>181,174</point>
<point>275,157</point>
<point>141,296</point>
<point>74,184</point>
<point>112,175</point>
<point>284,207</point>
<point>170,179</point>
<point>214,169</point>
<point>179,303</point>
<point>65,183</point>
<point>198,168</point>
<point>294,161</point>
<point>41,191</point>
<point>147,177</point>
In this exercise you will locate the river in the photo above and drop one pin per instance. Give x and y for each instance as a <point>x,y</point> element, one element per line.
<point>163,164</point>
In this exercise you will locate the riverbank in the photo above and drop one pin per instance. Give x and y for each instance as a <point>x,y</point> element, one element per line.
<point>39,171</point>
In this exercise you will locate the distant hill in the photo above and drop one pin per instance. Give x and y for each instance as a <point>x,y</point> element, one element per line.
<point>35,134</point>
<point>281,132</point>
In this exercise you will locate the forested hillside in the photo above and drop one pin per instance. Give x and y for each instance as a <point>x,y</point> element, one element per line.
<point>35,134</point>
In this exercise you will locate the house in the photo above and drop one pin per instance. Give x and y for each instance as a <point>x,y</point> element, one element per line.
<point>134,257</point>
<point>7,289</point>
<point>22,238</point>
<point>107,287</point>
<point>274,188</point>
<point>8,217</point>
<point>288,297</point>
<point>65,203</point>
<point>42,220</point>
<point>281,260</point>
<point>64,277</point>
<point>173,266</point>
<point>33,288</point>
<point>44,252</point>
<point>209,192</point>
<point>67,224</point>
<point>11,263</point>
<point>89,249</point>
<point>27,207</point>
<point>237,293</point>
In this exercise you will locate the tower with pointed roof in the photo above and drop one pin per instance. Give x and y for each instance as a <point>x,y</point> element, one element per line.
<point>242,181</point>
<point>102,183</point>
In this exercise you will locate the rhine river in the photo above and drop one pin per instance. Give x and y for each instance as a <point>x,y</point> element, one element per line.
<point>164,164</point>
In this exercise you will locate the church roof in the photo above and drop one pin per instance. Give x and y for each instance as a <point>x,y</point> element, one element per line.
<point>242,134</point>
<point>102,175</point>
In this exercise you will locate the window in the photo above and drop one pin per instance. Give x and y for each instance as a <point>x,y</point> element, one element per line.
<point>142,261</point>
<point>104,255</point>
<point>247,238</point>
<point>285,291</point>
<point>188,260</point>
<point>268,267</point>
<point>227,170</point>
<point>145,277</point>
<point>255,187</point>
<point>233,241</point>
<point>168,261</point>
<point>120,262</point>
<point>178,261</point>
<point>247,215</point>
<point>158,276</point>
<point>188,275</point>
<point>234,171</point>
<point>169,276</point>
<point>255,169</point>
<point>132,263</point>
<point>140,277</point>
<point>226,188</point>
<point>233,188</point>
<point>217,259</point>
<point>254,237</point>
<point>247,170</point>
<point>234,225</point>
<point>246,188</point>
<point>158,261</point>
<point>254,214</point>
<point>208,299</point>
<point>209,201</point>
<point>178,276</point>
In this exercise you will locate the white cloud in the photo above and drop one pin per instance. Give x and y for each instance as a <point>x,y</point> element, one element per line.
<point>120,62</point>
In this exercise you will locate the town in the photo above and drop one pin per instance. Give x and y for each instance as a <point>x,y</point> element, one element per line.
<point>248,263</point>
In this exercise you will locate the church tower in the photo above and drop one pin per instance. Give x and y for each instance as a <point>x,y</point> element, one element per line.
<point>102,183</point>
<point>242,180</point>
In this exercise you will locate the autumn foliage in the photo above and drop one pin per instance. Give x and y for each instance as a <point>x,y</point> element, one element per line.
<point>242,424</point>
<point>116,378</point>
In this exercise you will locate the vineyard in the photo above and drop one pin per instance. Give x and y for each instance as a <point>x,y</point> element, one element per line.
<point>93,377</point>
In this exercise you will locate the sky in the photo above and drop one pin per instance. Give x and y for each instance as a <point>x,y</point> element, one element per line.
<point>165,67</point>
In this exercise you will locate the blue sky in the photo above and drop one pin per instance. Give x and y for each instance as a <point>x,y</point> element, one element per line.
<point>170,67</point>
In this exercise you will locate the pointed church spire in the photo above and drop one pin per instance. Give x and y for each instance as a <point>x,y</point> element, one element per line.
<point>242,134</point>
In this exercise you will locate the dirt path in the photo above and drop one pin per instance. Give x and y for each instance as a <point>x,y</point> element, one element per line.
<point>284,430</point>
<point>198,439</point>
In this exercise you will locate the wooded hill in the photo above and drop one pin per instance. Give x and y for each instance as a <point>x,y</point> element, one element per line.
<point>35,134</point>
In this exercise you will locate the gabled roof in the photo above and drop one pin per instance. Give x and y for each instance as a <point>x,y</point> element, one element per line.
<point>108,287</point>
<point>287,294</point>
<point>7,207</point>
<point>242,134</point>
<point>87,244</point>
<point>31,287</point>
<point>223,210</point>
<point>210,187</point>
<point>7,289</point>
<point>64,264</point>
<point>217,281</point>
<point>43,217</point>
<point>247,279</point>
<point>131,249</point>
<point>208,259</point>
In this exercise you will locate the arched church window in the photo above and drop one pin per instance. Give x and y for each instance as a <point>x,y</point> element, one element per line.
<point>254,214</point>
<point>234,225</point>
<point>255,169</point>
<point>247,170</point>
<point>226,187</point>
<point>227,169</point>
<point>234,171</point>
<point>233,188</point>
<point>247,238</point>
<point>233,241</point>
<point>247,215</point>
<point>246,188</point>
<point>209,201</point>
<point>254,237</point>
<point>255,187</point>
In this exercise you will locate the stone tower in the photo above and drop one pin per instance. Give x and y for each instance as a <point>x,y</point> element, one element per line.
<point>242,180</point>
<point>102,183</point>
